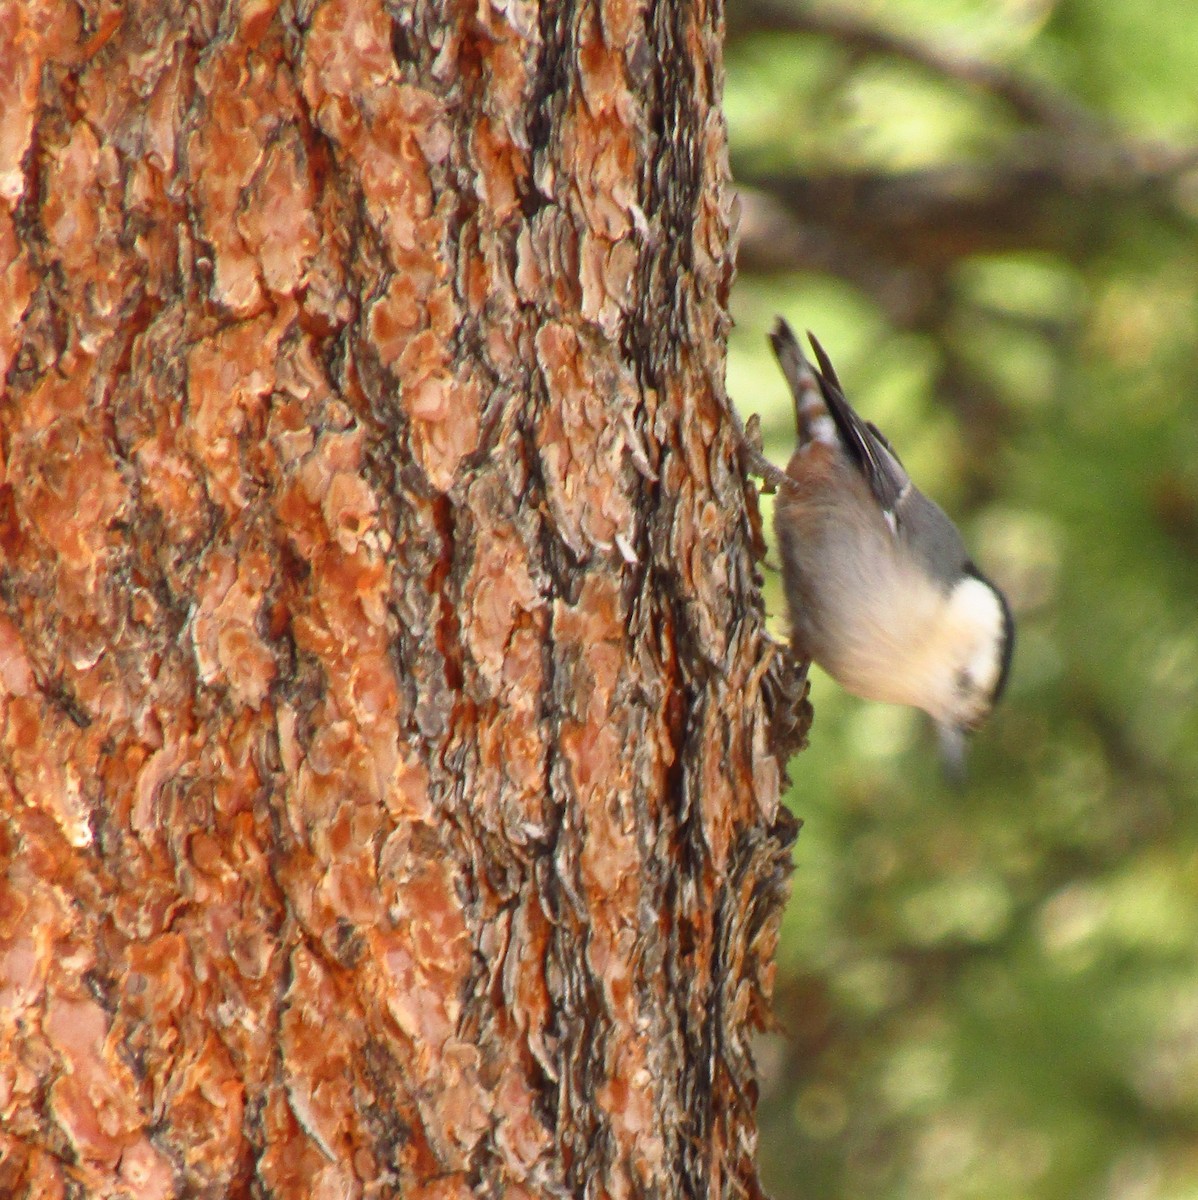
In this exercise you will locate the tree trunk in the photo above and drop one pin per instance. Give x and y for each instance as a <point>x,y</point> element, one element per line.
<point>391,741</point>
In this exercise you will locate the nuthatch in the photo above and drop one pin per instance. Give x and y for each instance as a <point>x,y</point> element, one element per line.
<point>881,591</point>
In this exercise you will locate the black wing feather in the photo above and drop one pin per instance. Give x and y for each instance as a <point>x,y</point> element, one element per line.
<point>865,445</point>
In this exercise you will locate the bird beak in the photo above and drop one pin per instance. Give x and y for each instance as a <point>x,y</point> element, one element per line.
<point>952,751</point>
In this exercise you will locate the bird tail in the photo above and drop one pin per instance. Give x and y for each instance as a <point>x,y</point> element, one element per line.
<point>813,421</point>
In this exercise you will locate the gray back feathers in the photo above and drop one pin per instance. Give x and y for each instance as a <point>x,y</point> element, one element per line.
<point>931,537</point>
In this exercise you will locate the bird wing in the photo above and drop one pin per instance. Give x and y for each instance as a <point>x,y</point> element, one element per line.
<point>865,445</point>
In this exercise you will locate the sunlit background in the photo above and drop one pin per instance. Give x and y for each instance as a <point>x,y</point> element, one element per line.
<point>988,213</point>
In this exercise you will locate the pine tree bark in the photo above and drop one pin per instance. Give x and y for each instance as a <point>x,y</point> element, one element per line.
<point>390,738</point>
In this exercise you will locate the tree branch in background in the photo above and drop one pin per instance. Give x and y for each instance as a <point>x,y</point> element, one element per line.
<point>1067,183</point>
<point>1053,189</point>
<point>1029,100</point>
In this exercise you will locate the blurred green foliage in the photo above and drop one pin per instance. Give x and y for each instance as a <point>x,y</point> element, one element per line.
<point>993,992</point>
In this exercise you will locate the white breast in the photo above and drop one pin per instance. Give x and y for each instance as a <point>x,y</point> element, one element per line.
<point>900,639</point>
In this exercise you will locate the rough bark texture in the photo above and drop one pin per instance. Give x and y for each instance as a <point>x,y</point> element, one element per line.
<point>390,740</point>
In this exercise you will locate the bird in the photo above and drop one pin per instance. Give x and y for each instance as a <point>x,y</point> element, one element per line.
<point>880,589</point>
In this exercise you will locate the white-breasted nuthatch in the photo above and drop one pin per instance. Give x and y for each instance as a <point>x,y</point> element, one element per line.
<point>881,591</point>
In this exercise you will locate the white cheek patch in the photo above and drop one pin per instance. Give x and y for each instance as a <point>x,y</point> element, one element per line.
<point>977,613</point>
